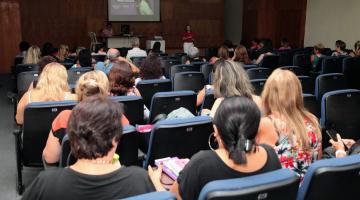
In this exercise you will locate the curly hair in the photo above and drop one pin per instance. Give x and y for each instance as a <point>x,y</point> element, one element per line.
<point>121,78</point>
<point>151,68</point>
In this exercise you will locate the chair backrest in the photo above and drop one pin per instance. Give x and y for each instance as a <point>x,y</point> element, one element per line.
<point>336,178</point>
<point>137,58</point>
<point>148,88</point>
<point>153,196</point>
<point>307,84</point>
<point>74,74</point>
<point>303,61</point>
<point>328,82</point>
<point>166,65</point>
<point>351,71</point>
<point>25,68</point>
<point>250,66</point>
<point>340,110</point>
<point>38,118</point>
<point>318,66</point>
<point>278,184</point>
<point>67,65</point>
<point>183,68</point>
<point>188,81</point>
<point>331,64</point>
<point>133,108</point>
<point>295,69</point>
<point>258,73</point>
<point>206,69</point>
<point>270,61</point>
<point>285,58</point>
<point>311,104</point>
<point>99,57</point>
<point>258,85</point>
<point>66,157</point>
<point>24,80</point>
<point>165,102</point>
<point>179,137</point>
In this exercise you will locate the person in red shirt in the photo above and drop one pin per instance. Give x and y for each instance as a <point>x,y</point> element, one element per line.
<point>188,39</point>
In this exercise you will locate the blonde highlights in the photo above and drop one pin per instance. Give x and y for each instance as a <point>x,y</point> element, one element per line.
<point>92,83</point>
<point>32,55</point>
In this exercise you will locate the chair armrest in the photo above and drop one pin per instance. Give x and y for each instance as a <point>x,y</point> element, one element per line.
<point>17,130</point>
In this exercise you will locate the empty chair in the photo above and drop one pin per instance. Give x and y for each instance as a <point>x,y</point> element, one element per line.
<point>295,69</point>
<point>340,110</point>
<point>331,64</point>
<point>183,68</point>
<point>25,68</point>
<point>336,178</point>
<point>30,140</point>
<point>279,184</point>
<point>303,61</point>
<point>153,196</point>
<point>166,64</point>
<point>351,71</point>
<point>258,85</point>
<point>270,61</point>
<point>328,82</point>
<point>24,80</point>
<point>258,73</point>
<point>206,69</point>
<point>165,102</point>
<point>311,104</point>
<point>133,108</point>
<point>179,137</point>
<point>75,73</point>
<point>285,58</point>
<point>148,88</point>
<point>307,84</point>
<point>188,81</point>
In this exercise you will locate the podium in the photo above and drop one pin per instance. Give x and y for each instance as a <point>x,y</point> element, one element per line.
<point>150,44</point>
<point>120,41</point>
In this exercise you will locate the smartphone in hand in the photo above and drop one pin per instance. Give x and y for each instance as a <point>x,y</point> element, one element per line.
<point>332,134</point>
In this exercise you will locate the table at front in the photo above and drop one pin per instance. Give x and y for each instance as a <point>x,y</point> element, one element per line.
<point>121,41</point>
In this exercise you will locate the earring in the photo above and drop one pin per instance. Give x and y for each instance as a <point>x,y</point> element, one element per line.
<point>209,141</point>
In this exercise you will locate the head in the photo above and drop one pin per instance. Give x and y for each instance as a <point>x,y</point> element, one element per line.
<point>230,79</point>
<point>340,45</point>
<point>319,48</point>
<point>357,48</point>
<point>32,55</point>
<point>282,96</point>
<point>223,52</point>
<point>44,61</point>
<point>135,43</point>
<point>194,52</point>
<point>156,47</point>
<point>266,45</point>
<point>78,49</point>
<point>85,58</point>
<point>284,42</point>
<point>47,49</point>
<point>255,41</point>
<point>108,25</point>
<point>121,78</point>
<point>241,55</point>
<point>151,68</point>
<point>99,48</point>
<point>92,83</point>
<point>236,124</point>
<point>94,129</point>
<point>53,82</point>
<point>24,46</point>
<point>188,28</point>
<point>63,52</point>
<point>228,44</point>
<point>113,54</point>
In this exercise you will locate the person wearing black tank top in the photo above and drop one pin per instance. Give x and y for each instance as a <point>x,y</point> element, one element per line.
<point>235,127</point>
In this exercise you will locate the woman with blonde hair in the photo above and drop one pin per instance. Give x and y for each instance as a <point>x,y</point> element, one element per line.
<point>241,55</point>
<point>63,53</point>
<point>297,136</point>
<point>32,55</point>
<point>51,86</point>
<point>89,84</point>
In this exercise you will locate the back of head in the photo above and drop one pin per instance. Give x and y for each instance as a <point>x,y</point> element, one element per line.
<point>319,47</point>
<point>223,52</point>
<point>135,42</point>
<point>112,54</point>
<point>53,82</point>
<point>92,83</point>
<point>156,47</point>
<point>237,120</point>
<point>93,125</point>
<point>340,44</point>
<point>85,58</point>
<point>121,78</point>
<point>32,55</point>
<point>282,95</point>
<point>194,52</point>
<point>44,61</point>
<point>47,49</point>
<point>24,46</point>
<point>63,52</point>
<point>357,48</point>
<point>151,68</point>
<point>230,79</point>
<point>267,46</point>
<point>241,55</point>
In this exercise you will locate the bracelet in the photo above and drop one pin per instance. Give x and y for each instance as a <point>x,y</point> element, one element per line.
<point>339,152</point>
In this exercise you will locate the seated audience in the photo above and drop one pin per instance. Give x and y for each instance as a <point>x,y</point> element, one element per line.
<point>42,63</point>
<point>150,69</point>
<point>135,51</point>
<point>23,47</point>
<point>64,54</point>
<point>32,55</point>
<point>318,53</point>
<point>51,86</point>
<point>89,84</point>
<point>356,51</point>
<point>47,49</point>
<point>238,155</point>
<point>285,45</point>
<point>94,133</point>
<point>297,136</point>
<point>255,44</point>
<point>113,55</point>
<point>339,146</point>
<point>84,59</point>
<point>156,49</point>
<point>107,31</point>
<point>99,50</point>
<point>340,48</point>
<point>241,55</point>
<point>122,80</point>
<point>266,48</point>
<point>194,56</point>
<point>223,53</point>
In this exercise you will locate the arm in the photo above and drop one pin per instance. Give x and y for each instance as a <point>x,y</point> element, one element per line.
<point>51,152</point>
<point>155,176</point>
<point>175,189</point>
<point>266,133</point>
<point>339,147</point>
<point>200,97</point>
<point>260,58</point>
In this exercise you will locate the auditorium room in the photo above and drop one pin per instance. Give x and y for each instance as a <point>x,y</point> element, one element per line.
<point>179,99</point>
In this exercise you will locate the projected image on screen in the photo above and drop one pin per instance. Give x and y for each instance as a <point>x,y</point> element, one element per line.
<point>134,10</point>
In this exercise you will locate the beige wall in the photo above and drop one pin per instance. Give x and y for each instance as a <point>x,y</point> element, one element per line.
<point>330,20</point>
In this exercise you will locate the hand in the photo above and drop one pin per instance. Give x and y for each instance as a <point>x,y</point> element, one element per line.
<point>339,145</point>
<point>155,175</point>
<point>348,142</point>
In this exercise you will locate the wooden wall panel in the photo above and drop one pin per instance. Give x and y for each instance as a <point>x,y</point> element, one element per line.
<point>69,21</point>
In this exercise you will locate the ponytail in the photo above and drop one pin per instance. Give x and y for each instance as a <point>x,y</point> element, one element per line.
<point>237,152</point>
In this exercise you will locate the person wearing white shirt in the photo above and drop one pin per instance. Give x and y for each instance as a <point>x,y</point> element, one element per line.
<point>136,51</point>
